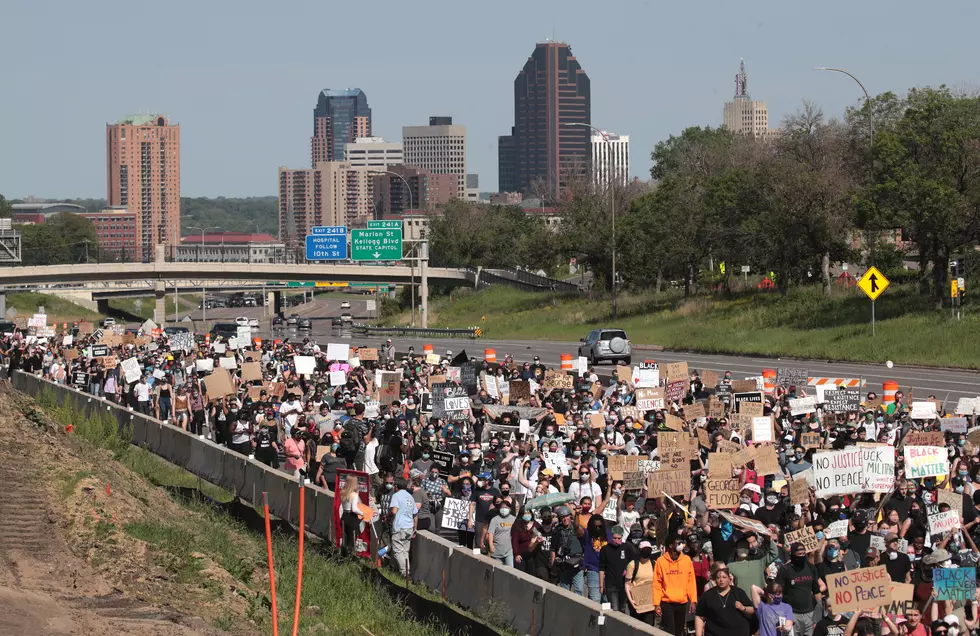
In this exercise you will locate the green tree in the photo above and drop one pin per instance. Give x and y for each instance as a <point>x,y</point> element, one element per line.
<point>5,210</point>
<point>489,236</point>
<point>63,239</point>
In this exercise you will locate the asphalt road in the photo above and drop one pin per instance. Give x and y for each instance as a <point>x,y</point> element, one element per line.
<point>949,385</point>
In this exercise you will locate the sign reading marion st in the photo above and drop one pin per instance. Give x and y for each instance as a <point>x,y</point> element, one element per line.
<point>376,244</point>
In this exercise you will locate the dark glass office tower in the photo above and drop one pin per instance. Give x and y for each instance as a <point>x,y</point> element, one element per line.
<point>340,117</point>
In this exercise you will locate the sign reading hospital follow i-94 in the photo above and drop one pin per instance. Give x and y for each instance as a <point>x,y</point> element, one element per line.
<point>327,243</point>
<point>376,245</point>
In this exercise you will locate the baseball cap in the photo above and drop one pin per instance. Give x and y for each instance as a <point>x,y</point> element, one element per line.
<point>646,544</point>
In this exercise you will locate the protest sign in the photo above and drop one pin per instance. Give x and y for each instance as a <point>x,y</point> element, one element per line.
<point>556,462</point>
<point>943,522</point>
<point>673,422</point>
<point>745,522</point>
<point>703,440</point>
<point>924,410</point>
<point>811,440</point>
<point>694,411</point>
<point>863,588</point>
<point>636,480</point>
<point>878,468</point>
<point>110,362</point>
<point>925,438</point>
<point>520,391</point>
<point>744,456</point>
<point>838,472</point>
<point>955,584</point>
<point>597,420</point>
<point>558,380</point>
<point>338,351</point>
<point>802,406</point>
<point>836,530</point>
<point>675,371</point>
<point>251,371</point>
<point>674,449</point>
<point>724,394</point>
<point>842,400</point>
<point>648,375</point>
<point>618,464</point>
<point>100,351</point>
<point>720,464</point>
<point>925,461</point>
<point>624,374</point>
<point>716,408</point>
<point>762,429</point>
<point>131,369</point>
<point>305,365</point>
<point>677,390</point>
<point>228,362</point>
<point>749,403</point>
<point>792,377</point>
<point>219,384</point>
<point>966,406</point>
<point>805,536</point>
<point>643,597</point>
<point>722,493</point>
<point>338,378</point>
<point>743,386</point>
<point>709,379</point>
<point>450,402</point>
<point>79,379</point>
<point>389,387</point>
<point>443,461</point>
<point>799,492</point>
<point>728,446</point>
<point>953,499</point>
<point>647,466</point>
<point>953,424</point>
<point>455,514</point>
<point>766,461</point>
<point>650,399</point>
<point>204,364</point>
<point>676,483</point>
<point>901,601</point>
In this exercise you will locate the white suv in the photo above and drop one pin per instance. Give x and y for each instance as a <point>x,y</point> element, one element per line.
<point>606,344</point>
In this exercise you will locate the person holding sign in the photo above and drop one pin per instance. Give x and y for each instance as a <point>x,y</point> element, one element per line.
<point>724,610</point>
<point>775,616</point>
<point>801,586</point>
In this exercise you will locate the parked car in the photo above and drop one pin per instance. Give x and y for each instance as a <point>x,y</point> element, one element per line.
<point>292,320</point>
<point>606,345</point>
<point>249,301</point>
<point>108,322</point>
<point>305,323</point>
<point>241,321</point>
<point>345,304</point>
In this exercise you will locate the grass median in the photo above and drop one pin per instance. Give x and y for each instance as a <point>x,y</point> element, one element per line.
<point>803,323</point>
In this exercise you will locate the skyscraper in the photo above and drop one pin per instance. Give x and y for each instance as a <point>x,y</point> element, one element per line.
<point>745,116</point>
<point>143,176</point>
<point>340,117</point>
<point>439,148</point>
<point>551,91</point>
<point>610,158</point>
<point>332,193</point>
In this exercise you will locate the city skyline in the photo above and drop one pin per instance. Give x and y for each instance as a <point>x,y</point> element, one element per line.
<point>647,88</point>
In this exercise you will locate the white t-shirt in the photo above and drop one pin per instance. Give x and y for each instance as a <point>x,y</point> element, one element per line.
<point>240,433</point>
<point>290,420</point>
<point>142,390</point>
<point>370,449</point>
<point>579,490</point>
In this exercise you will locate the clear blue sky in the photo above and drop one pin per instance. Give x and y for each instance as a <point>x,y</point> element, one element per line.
<point>242,78</point>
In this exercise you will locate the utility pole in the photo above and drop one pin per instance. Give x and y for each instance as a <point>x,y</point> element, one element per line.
<point>424,291</point>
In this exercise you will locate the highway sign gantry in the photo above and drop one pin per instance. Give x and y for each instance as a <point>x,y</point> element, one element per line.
<point>327,243</point>
<point>873,283</point>
<point>376,245</point>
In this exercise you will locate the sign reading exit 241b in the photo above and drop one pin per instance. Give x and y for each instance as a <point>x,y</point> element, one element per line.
<point>376,245</point>
<point>327,243</point>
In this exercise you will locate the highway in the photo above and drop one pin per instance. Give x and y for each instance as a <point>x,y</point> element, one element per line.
<point>949,385</point>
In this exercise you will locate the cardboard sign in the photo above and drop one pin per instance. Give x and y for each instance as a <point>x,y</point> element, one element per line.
<point>650,399</point>
<point>766,461</point>
<point>925,461</point>
<point>853,590</point>
<point>634,480</point>
<point>743,386</point>
<point>744,456</point>
<point>368,354</point>
<point>110,362</point>
<point>432,380</point>
<point>619,464</point>
<point>676,483</point>
<point>720,464</point>
<point>251,371</point>
<point>805,536</point>
<point>643,597</point>
<point>799,492</point>
<point>555,380</point>
<point>597,420</point>
<point>838,472</point>
<point>954,584</point>
<point>953,499</point>
<point>219,384</point>
<point>925,438</point>
<point>953,424</point>
<point>389,388</point>
<point>520,391</point>
<point>943,522</point>
<point>716,409</point>
<point>694,411</point>
<point>674,423</point>
<point>811,440</point>
<point>792,377</point>
<point>703,440</point>
<point>675,371</point>
<point>709,379</point>
<point>722,493</point>
<point>728,446</point>
<point>624,374</point>
<point>677,390</point>
<point>674,449</point>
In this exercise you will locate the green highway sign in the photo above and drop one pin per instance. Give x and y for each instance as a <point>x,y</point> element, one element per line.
<point>384,225</point>
<point>308,283</point>
<point>376,244</point>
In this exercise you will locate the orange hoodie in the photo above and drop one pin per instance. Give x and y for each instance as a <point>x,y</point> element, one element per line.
<point>673,581</point>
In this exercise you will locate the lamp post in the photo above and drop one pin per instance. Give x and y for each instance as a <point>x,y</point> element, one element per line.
<point>612,206</point>
<point>411,262</point>
<point>204,290</point>
<point>867,98</point>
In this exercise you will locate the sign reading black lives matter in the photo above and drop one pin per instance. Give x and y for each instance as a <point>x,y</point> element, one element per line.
<point>842,400</point>
<point>451,403</point>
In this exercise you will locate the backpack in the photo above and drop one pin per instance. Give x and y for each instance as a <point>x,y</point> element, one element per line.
<point>348,445</point>
<point>384,459</point>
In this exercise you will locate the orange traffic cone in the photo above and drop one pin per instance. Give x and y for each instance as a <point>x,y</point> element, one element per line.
<point>69,428</point>
<point>108,489</point>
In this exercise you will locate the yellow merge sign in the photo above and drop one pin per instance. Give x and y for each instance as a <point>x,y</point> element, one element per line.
<point>873,283</point>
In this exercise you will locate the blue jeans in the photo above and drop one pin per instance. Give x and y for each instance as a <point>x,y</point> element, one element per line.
<point>571,579</point>
<point>592,583</point>
<point>506,560</point>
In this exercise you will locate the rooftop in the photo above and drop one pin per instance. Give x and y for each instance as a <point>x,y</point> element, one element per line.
<point>335,92</point>
<point>139,120</point>
<point>228,238</point>
<point>47,207</point>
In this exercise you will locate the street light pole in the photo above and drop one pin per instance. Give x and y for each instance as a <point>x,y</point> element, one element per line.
<point>204,291</point>
<point>612,204</point>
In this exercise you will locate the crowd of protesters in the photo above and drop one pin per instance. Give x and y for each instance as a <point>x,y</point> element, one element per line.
<point>572,524</point>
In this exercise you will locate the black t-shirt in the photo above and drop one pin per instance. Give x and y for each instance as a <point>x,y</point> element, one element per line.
<point>613,560</point>
<point>799,586</point>
<point>860,542</point>
<point>770,517</point>
<point>722,550</point>
<point>897,567</point>
<point>901,505</point>
<point>829,567</point>
<point>484,497</point>
<point>719,613</point>
<point>830,627</point>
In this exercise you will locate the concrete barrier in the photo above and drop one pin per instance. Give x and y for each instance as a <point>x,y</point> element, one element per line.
<point>469,581</point>
<point>523,597</point>
<point>430,560</point>
<point>533,607</point>
<point>566,614</point>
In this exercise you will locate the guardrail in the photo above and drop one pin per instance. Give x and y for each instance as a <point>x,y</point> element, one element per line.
<point>524,280</point>
<point>473,332</point>
<point>531,606</point>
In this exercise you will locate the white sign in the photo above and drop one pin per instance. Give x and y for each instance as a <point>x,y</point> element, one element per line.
<point>305,364</point>
<point>455,513</point>
<point>925,461</point>
<point>219,347</point>
<point>159,374</point>
<point>338,378</point>
<point>556,462</point>
<point>207,364</point>
<point>228,362</point>
<point>233,343</point>
<point>966,406</point>
<point>337,351</point>
<point>761,429</point>
<point>944,522</point>
<point>924,410</point>
<point>648,377</point>
<point>802,406</point>
<point>760,384</point>
<point>836,530</point>
<point>131,369</point>
<point>838,472</point>
<point>878,466</point>
<point>746,269</point>
<point>244,335</point>
<point>582,365</point>
<point>67,341</point>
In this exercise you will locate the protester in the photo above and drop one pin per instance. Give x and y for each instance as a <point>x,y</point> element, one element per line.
<point>723,610</point>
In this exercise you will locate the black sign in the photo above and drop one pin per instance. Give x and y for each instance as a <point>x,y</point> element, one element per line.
<point>842,400</point>
<point>468,374</point>
<point>426,404</point>
<point>443,461</point>
<point>97,335</point>
<point>724,393</point>
<point>100,351</point>
<point>79,378</point>
<point>755,396</point>
<point>792,377</point>
<point>450,403</point>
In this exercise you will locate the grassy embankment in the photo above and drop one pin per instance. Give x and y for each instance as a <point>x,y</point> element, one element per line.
<point>57,309</point>
<point>803,323</point>
<point>337,597</point>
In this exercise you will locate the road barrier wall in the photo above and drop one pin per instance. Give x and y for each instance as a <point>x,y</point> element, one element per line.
<point>527,604</point>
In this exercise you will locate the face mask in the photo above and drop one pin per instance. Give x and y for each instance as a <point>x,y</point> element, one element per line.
<point>681,547</point>
<point>798,561</point>
<point>754,551</point>
<point>618,491</point>
<point>819,535</point>
<point>960,489</point>
<point>844,545</point>
<point>464,460</point>
<point>776,600</point>
<point>577,453</point>
<point>772,500</point>
<point>963,473</point>
<point>505,491</point>
<point>586,507</point>
<point>584,478</point>
<point>832,553</point>
<point>480,484</point>
<point>434,475</point>
<point>746,500</point>
<point>504,512</point>
<point>526,517</point>
<point>425,456</point>
<point>892,555</point>
<point>797,457</point>
<point>645,553</point>
<point>389,486</point>
<point>467,488</point>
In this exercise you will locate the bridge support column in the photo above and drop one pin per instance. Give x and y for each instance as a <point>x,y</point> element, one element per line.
<point>277,302</point>
<point>102,305</point>
<point>424,286</point>
<point>160,307</point>
<point>3,303</point>
<point>269,301</point>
